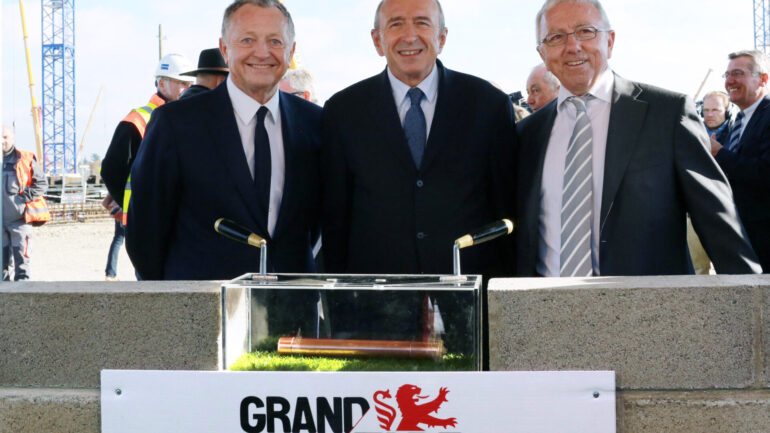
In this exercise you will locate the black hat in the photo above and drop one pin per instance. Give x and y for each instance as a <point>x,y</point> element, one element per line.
<point>210,61</point>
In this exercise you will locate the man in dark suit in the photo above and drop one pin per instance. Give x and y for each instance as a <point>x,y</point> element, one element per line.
<point>243,151</point>
<point>415,157</point>
<point>745,157</point>
<point>610,168</point>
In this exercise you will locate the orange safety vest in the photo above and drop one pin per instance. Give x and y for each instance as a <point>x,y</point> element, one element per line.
<point>36,211</point>
<point>139,117</point>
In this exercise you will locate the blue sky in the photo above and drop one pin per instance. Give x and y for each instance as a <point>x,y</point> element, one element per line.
<point>669,43</point>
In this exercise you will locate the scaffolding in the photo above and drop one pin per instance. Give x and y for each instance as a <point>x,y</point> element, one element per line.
<point>58,52</point>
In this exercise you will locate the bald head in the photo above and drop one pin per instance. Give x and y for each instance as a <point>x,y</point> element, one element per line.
<point>542,87</point>
<point>8,139</point>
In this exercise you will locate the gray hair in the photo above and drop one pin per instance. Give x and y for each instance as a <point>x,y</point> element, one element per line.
<point>759,61</point>
<point>441,21</point>
<point>263,4</point>
<point>548,76</point>
<point>302,81</point>
<point>551,3</point>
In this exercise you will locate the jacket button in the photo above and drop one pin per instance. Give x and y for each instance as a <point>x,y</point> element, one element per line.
<point>419,184</point>
<point>420,235</point>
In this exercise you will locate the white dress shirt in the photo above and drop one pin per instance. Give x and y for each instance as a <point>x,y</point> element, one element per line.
<point>429,87</point>
<point>598,108</point>
<point>245,108</point>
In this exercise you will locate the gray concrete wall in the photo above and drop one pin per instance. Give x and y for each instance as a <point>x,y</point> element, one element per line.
<point>55,338</point>
<point>690,352</point>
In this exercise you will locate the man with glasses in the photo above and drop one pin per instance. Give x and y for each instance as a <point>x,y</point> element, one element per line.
<point>745,155</point>
<point>608,172</point>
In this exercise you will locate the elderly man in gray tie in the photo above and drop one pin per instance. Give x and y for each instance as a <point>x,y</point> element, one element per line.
<point>745,158</point>
<point>415,157</point>
<point>609,170</point>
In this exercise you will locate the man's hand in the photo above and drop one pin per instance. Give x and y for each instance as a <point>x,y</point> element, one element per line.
<point>715,146</point>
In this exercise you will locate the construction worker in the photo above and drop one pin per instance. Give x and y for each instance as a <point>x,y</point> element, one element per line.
<point>24,185</point>
<point>117,162</point>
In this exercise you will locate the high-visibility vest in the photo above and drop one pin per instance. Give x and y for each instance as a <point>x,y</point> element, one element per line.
<point>36,211</point>
<point>139,117</point>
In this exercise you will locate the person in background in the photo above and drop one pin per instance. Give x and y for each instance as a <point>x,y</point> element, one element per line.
<point>745,156</point>
<point>299,82</point>
<point>542,87</point>
<point>212,70</point>
<point>715,115</point>
<point>117,162</point>
<point>24,185</point>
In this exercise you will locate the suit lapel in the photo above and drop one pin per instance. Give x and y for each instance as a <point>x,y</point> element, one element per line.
<point>626,119</point>
<point>531,160</point>
<point>291,132</point>
<point>449,106</point>
<point>758,116</point>
<point>390,131</point>
<point>229,151</point>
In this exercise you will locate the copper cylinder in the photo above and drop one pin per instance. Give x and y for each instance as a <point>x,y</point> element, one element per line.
<point>363,348</point>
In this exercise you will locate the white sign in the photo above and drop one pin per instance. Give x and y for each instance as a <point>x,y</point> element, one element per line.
<point>256,402</point>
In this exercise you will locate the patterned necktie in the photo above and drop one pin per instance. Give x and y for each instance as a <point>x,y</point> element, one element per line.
<point>577,197</point>
<point>262,162</point>
<point>414,126</point>
<point>735,133</point>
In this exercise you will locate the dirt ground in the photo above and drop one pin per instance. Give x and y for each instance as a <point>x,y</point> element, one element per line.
<point>75,251</point>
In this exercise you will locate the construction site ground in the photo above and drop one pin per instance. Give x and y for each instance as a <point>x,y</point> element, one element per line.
<point>76,251</point>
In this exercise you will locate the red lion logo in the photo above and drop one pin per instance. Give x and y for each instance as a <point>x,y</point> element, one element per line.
<point>412,414</point>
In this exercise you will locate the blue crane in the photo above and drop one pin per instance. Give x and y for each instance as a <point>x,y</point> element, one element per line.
<point>58,37</point>
<point>760,25</point>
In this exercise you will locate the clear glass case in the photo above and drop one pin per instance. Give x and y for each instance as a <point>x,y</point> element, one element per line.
<point>351,322</point>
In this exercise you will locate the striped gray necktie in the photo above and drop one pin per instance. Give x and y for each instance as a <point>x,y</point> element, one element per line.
<point>735,134</point>
<point>577,197</point>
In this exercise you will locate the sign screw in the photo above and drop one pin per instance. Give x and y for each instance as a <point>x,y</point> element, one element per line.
<point>596,394</point>
<point>118,391</point>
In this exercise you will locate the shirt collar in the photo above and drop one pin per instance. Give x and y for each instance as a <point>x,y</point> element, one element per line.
<point>429,86</point>
<point>602,89</point>
<point>246,107</point>
<point>750,110</point>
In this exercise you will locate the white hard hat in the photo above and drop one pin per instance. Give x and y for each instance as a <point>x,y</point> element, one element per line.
<point>173,66</point>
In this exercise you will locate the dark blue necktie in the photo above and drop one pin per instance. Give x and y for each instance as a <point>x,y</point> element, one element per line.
<point>735,134</point>
<point>414,126</point>
<point>262,162</point>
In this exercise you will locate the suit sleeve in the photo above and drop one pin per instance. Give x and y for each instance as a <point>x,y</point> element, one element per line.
<point>153,207</point>
<point>708,198</point>
<point>503,174</point>
<point>116,164</point>
<point>749,172</point>
<point>335,217</point>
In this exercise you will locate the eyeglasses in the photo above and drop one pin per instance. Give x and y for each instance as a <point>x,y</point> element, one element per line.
<point>585,33</point>
<point>738,73</point>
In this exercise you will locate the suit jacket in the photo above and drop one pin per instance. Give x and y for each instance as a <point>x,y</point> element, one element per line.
<point>381,213</point>
<point>191,170</point>
<point>748,169</point>
<point>657,168</point>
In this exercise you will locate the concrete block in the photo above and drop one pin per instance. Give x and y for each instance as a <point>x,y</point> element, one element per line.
<point>668,333</point>
<point>63,334</point>
<point>763,349</point>
<point>47,410</point>
<point>694,412</point>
